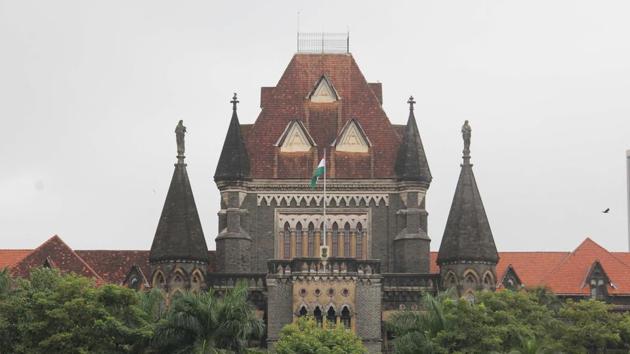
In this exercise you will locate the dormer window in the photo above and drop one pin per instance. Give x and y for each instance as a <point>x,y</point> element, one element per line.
<point>323,92</point>
<point>598,282</point>
<point>295,138</point>
<point>352,138</point>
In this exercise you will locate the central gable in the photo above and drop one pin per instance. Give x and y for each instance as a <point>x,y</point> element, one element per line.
<point>324,92</point>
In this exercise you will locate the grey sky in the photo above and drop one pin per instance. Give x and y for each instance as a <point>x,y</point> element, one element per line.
<point>90,93</point>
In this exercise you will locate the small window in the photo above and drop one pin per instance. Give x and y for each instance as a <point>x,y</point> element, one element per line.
<point>298,240</point>
<point>319,318</point>
<point>345,317</point>
<point>346,240</point>
<point>303,311</point>
<point>331,316</point>
<point>311,240</point>
<point>287,241</point>
<point>359,241</point>
<point>335,240</point>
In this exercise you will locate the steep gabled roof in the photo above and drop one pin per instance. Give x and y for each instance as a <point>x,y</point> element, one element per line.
<point>289,100</point>
<point>234,160</point>
<point>568,277</point>
<point>62,257</point>
<point>113,265</point>
<point>467,235</point>
<point>411,162</point>
<point>179,235</point>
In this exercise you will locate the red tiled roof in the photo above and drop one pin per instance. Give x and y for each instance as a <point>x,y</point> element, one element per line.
<point>59,255</point>
<point>287,101</point>
<point>564,272</point>
<point>8,258</point>
<point>569,277</point>
<point>113,266</point>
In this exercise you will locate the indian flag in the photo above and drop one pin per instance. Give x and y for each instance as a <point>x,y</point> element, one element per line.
<point>319,171</point>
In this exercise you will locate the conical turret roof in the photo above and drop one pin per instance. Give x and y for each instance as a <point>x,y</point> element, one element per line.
<point>179,236</point>
<point>467,236</point>
<point>234,161</point>
<point>411,163</point>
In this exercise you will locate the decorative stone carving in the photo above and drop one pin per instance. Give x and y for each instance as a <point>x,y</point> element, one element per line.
<point>313,199</point>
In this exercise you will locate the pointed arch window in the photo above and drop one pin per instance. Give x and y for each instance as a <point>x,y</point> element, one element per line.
<point>331,315</point>
<point>319,317</point>
<point>359,247</point>
<point>488,281</point>
<point>298,239</point>
<point>158,280</point>
<point>345,317</point>
<point>303,311</point>
<point>287,241</point>
<point>470,280</point>
<point>197,281</point>
<point>346,240</point>
<point>335,240</point>
<point>311,240</point>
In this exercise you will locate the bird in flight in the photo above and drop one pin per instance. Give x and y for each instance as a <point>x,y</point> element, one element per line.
<point>606,211</point>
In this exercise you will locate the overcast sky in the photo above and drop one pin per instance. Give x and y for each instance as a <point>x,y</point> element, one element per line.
<point>90,93</point>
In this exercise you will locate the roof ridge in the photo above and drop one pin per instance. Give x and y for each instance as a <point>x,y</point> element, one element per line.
<point>81,259</point>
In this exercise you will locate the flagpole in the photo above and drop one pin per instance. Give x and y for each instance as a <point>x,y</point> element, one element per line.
<point>325,173</point>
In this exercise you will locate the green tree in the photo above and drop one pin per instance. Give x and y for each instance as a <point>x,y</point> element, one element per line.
<point>589,326</point>
<point>205,323</point>
<point>306,337</point>
<point>54,313</point>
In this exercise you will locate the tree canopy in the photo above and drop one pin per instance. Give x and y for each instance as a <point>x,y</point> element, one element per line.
<point>307,337</point>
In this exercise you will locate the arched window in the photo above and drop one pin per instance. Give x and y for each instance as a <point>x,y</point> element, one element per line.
<point>158,280</point>
<point>335,240</point>
<point>470,280</point>
<point>178,280</point>
<point>311,240</point>
<point>303,311</point>
<point>298,239</point>
<point>488,281</point>
<point>450,281</point>
<point>287,241</point>
<point>318,315</point>
<point>346,240</point>
<point>331,316</point>
<point>359,241</point>
<point>197,280</point>
<point>345,317</point>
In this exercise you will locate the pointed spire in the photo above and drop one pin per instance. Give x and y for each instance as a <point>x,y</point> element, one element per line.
<point>411,163</point>
<point>179,236</point>
<point>467,235</point>
<point>234,161</point>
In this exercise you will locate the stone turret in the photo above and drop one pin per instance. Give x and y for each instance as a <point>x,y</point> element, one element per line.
<point>179,254</point>
<point>233,242</point>
<point>411,244</point>
<point>468,255</point>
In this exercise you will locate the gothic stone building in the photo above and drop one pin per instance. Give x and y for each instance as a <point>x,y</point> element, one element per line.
<point>271,223</point>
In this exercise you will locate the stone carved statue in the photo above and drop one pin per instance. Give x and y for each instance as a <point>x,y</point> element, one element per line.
<point>180,131</point>
<point>466,133</point>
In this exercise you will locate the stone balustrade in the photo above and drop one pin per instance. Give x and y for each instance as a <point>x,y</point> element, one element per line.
<point>318,266</point>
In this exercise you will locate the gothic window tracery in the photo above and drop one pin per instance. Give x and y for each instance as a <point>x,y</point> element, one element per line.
<point>298,240</point>
<point>311,240</point>
<point>158,280</point>
<point>335,240</point>
<point>346,240</point>
<point>287,241</point>
<point>345,317</point>
<point>359,246</point>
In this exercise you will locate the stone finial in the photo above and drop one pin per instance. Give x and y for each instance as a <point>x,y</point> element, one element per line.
<point>466,133</point>
<point>411,102</point>
<point>180,132</point>
<point>234,102</point>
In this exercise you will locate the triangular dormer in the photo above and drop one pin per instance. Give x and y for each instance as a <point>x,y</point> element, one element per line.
<point>295,138</point>
<point>511,280</point>
<point>598,281</point>
<point>352,138</point>
<point>323,92</point>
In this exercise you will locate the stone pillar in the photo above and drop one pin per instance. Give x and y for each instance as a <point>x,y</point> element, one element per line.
<point>233,242</point>
<point>411,245</point>
<point>279,306</point>
<point>368,312</point>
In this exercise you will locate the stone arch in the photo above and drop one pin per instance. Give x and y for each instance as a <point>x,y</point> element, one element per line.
<point>335,239</point>
<point>310,248</point>
<point>346,316</point>
<point>158,280</point>
<point>178,278</point>
<point>318,314</point>
<point>286,241</point>
<point>298,239</point>
<point>488,280</point>
<point>450,280</point>
<point>471,279</point>
<point>196,280</point>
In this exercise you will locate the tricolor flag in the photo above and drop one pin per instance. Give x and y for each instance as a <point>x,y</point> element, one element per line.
<point>319,171</point>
